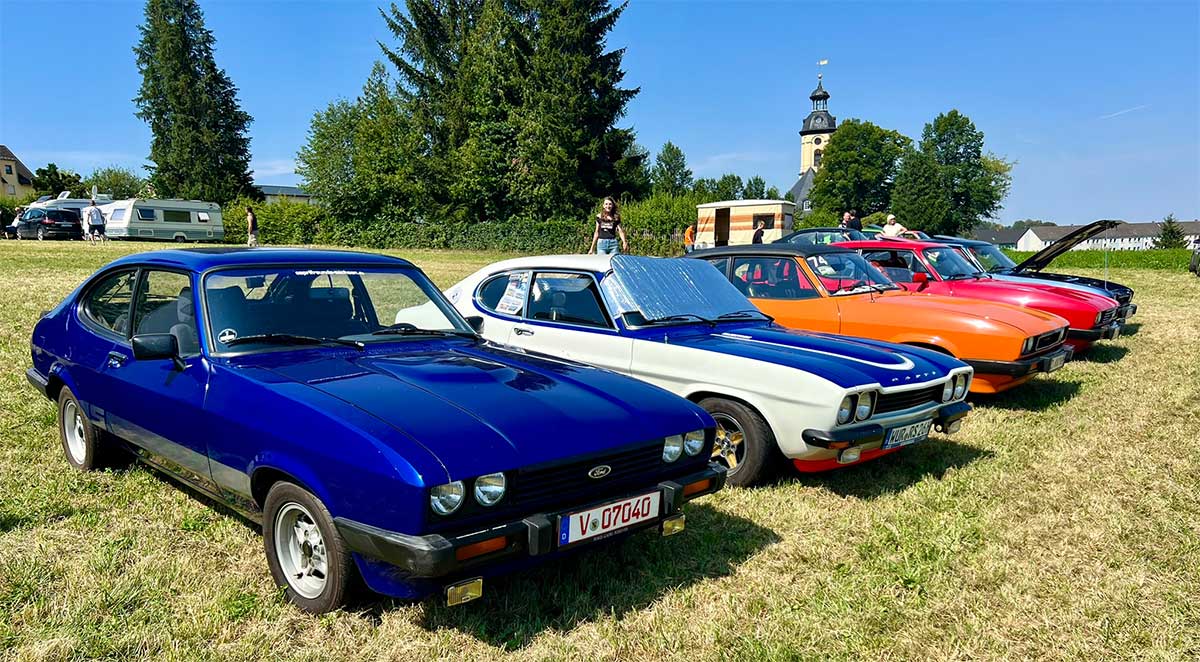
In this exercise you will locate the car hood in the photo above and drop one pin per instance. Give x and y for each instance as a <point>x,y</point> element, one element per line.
<point>480,408</point>
<point>1047,291</point>
<point>847,362</point>
<point>1026,321</point>
<point>1044,257</point>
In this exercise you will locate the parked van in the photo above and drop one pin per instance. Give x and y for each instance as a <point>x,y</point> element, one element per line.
<point>731,222</point>
<point>163,220</point>
<point>65,201</point>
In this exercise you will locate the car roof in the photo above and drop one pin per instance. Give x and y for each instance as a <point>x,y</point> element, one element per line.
<point>793,250</point>
<point>960,240</point>
<point>909,244</point>
<point>203,259</point>
<point>594,263</point>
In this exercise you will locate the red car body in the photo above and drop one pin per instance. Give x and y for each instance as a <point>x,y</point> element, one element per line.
<point>934,268</point>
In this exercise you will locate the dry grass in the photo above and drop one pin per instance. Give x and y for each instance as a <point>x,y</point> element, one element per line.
<point>1063,523</point>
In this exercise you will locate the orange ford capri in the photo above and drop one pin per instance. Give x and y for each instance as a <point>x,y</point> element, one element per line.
<point>835,290</point>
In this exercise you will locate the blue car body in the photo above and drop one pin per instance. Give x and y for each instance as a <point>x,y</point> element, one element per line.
<point>370,430</point>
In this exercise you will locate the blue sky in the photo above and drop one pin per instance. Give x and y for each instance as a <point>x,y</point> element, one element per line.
<point>1098,103</point>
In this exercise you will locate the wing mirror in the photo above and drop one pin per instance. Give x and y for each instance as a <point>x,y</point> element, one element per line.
<point>152,346</point>
<point>476,322</point>
<point>920,279</point>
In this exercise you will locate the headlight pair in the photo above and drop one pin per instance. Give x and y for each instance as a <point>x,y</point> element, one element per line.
<point>448,498</point>
<point>857,406</point>
<point>956,387</point>
<point>676,445</point>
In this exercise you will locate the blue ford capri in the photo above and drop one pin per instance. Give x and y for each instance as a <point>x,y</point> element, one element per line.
<point>394,446</point>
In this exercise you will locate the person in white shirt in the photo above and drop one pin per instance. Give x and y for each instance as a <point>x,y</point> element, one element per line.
<point>93,218</point>
<point>892,228</point>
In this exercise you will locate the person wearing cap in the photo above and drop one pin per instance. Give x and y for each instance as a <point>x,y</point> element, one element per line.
<point>892,228</point>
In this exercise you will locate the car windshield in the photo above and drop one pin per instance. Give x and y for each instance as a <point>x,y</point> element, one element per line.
<point>993,259</point>
<point>848,273</point>
<point>949,264</point>
<point>271,307</point>
<point>825,237</point>
<point>647,290</point>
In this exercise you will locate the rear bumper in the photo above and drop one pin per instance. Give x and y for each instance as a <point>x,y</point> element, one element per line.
<point>436,555</point>
<point>1106,332</point>
<point>873,434</point>
<point>1020,368</point>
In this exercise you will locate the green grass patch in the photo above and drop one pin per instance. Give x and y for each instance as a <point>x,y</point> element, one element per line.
<point>1174,259</point>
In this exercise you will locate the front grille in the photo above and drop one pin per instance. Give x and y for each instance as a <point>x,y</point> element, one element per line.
<point>890,402</point>
<point>553,482</point>
<point>1107,316</point>
<point>1048,340</point>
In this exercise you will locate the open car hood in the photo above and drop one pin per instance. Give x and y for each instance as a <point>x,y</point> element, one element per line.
<point>1041,259</point>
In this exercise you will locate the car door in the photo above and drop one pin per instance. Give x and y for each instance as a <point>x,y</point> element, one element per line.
<point>30,222</point>
<point>160,404</point>
<point>565,316</point>
<point>501,297</point>
<point>102,336</point>
<point>783,290</point>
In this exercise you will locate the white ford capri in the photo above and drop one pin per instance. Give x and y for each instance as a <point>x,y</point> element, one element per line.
<point>823,401</point>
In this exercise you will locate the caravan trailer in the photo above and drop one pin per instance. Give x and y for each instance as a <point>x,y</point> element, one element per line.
<point>731,222</point>
<point>65,201</point>
<point>163,220</point>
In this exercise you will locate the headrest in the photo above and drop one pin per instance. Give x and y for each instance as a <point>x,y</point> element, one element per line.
<point>558,299</point>
<point>185,307</point>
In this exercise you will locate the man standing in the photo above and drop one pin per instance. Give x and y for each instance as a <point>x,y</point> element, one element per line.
<point>93,219</point>
<point>251,228</point>
<point>892,228</point>
<point>851,221</point>
<point>759,227</point>
<point>689,239</point>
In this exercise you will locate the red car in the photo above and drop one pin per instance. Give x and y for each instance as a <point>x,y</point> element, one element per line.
<point>935,268</point>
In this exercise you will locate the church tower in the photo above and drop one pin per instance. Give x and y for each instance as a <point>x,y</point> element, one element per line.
<point>817,128</point>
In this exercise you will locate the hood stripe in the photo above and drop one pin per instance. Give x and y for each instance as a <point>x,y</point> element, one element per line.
<point>905,364</point>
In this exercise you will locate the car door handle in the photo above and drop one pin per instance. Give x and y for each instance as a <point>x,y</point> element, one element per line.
<point>116,359</point>
<point>523,332</point>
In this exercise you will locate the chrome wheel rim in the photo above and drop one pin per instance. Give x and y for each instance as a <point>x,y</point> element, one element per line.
<point>730,445</point>
<point>74,432</point>
<point>300,549</point>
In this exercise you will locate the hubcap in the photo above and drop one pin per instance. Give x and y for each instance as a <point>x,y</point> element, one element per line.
<point>730,447</point>
<point>74,432</point>
<point>301,550</point>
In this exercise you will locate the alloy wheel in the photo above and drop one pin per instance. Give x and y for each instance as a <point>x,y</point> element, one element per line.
<point>300,549</point>
<point>73,429</point>
<point>730,447</point>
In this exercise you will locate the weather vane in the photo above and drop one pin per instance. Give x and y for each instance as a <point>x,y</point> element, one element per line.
<point>821,63</point>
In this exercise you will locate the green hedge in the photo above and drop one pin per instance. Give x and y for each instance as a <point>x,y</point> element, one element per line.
<point>1175,259</point>
<point>8,207</point>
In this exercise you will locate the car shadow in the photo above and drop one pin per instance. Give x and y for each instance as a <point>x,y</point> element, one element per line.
<point>1131,329</point>
<point>1103,354</point>
<point>628,575</point>
<point>897,471</point>
<point>1035,395</point>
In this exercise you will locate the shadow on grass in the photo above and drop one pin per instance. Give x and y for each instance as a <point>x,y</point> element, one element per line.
<point>1130,329</point>
<point>898,471</point>
<point>1036,395</point>
<point>607,579</point>
<point>1103,354</point>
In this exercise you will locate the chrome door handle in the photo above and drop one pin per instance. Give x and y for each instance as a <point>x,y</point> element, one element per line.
<point>116,359</point>
<point>523,332</point>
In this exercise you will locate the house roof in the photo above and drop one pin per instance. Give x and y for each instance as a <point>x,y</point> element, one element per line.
<point>744,203</point>
<point>1125,230</point>
<point>294,191</point>
<point>24,176</point>
<point>799,190</point>
<point>1004,236</point>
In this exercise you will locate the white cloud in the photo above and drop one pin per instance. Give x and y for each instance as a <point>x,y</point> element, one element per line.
<point>273,167</point>
<point>1124,112</point>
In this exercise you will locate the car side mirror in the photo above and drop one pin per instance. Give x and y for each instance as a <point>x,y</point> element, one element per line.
<point>152,346</point>
<point>476,322</point>
<point>920,278</point>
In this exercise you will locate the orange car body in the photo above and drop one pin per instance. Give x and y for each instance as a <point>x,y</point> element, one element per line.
<point>1007,345</point>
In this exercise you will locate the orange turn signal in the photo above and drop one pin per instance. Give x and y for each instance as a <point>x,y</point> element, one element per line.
<point>837,445</point>
<point>480,548</point>
<point>698,486</point>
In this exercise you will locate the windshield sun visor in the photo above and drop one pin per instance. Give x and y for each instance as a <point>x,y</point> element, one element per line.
<point>661,287</point>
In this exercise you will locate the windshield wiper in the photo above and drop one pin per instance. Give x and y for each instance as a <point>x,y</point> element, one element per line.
<point>682,317</point>
<point>406,329</point>
<point>960,276</point>
<point>743,314</point>
<point>293,339</point>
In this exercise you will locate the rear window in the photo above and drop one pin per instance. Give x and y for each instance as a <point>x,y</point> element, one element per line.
<point>63,215</point>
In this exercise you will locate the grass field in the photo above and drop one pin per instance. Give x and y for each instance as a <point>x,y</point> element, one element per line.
<point>1063,522</point>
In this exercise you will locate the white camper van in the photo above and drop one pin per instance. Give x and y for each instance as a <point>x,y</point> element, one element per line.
<point>65,201</point>
<point>163,220</point>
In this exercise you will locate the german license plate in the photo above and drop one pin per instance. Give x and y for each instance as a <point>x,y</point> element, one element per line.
<point>1057,362</point>
<point>609,518</point>
<point>66,225</point>
<point>908,434</point>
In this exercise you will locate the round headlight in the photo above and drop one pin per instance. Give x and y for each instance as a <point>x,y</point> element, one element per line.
<point>693,442</point>
<point>445,499</point>
<point>948,390</point>
<point>960,386</point>
<point>672,448</point>
<point>866,403</point>
<point>846,409</point>
<point>489,489</point>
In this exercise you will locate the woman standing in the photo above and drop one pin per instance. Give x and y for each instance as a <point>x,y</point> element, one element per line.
<point>251,228</point>
<point>608,228</point>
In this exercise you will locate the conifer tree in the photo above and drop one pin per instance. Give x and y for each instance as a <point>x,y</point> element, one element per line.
<point>1171,234</point>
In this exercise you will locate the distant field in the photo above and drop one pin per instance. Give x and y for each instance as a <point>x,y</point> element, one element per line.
<point>1172,259</point>
<point>1063,522</point>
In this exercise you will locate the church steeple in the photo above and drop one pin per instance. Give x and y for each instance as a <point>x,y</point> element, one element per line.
<point>820,98</point>
<point>817,129</point>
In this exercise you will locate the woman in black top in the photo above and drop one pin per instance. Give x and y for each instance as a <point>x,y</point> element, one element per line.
<point>608,228</point>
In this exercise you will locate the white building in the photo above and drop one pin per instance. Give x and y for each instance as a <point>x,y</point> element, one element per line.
<point>1124,237</point>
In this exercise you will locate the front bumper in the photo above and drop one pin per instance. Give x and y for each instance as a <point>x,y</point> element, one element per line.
<point>873,434</point>
<point>1021,367</point>
<point>436,555</point>
<point>37,381</point>
<point>1106,332</point>
<point>1126,311</point>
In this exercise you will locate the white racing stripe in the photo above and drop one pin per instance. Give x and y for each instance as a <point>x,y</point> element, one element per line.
<point>905,365</point>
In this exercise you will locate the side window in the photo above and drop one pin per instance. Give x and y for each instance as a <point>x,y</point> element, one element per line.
<point>118,215</point>
<point>165,304</point>
<point>720,263</point>
<point>176,216</point>
<point>771,278</point>
<point>145,214</point>
<point>568,298</point>
<point>505,294</point>
<point>33,215</point>
<point>107,302</point>
<point>896,265</point>
<point>768,221</point>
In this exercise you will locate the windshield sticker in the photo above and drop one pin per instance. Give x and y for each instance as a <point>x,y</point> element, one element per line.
<point>335,272</point>
<point>226,336</point>
<point>514,294</point>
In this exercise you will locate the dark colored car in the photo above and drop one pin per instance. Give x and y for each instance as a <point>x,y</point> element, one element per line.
<point>1194,267</point>
<point>821,236</point>
<point>995,262</point>
<point>339,400</point>
<point>49,224</point>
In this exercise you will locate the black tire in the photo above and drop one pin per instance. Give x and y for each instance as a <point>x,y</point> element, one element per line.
<point>757,447</point>
<point>41,234</point>
<point>92,449</point>
<point>341,575</point>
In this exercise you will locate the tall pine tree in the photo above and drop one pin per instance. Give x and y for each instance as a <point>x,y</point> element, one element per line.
<point>200,148</point>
